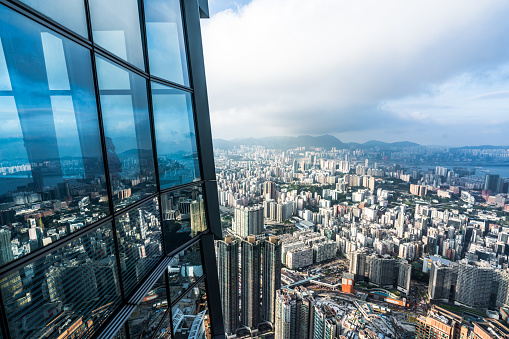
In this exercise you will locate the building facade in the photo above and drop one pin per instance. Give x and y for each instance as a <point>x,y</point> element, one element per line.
<point>271,277</point>
<point>228,269</point>
<point>250,278</point>
<point>108,199</point>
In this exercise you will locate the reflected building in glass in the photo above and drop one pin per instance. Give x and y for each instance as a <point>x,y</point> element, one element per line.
<point>108,200</point>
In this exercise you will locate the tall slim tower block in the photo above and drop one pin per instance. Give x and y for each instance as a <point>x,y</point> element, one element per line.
<point>248,221</point>
<point>250,282</point>
<point>271,277</point>
<point>228,270</point>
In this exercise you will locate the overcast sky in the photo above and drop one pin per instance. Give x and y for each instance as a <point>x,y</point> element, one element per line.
<point>433,72</point>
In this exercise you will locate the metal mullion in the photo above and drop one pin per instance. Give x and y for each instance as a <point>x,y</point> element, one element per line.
<point>212,284</point>
<point>167,314</point>
<point>170,84</point>
<point>17,264</point>
<point>45,21</point>
<point>201,113</point>
<point>6,334</point>
<point>187,244</point>
<point>88,17</point>
<point>119,61</point>
<point>191,82</point>
<point>179,187</point>
<point>136,204</point>
<point>107,175</point>
<point>193,285</point>
<point>143,31</point>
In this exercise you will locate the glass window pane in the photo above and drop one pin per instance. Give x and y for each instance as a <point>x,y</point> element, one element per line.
<point>165,40</point>
<point>175,136</point>
<point>70,13</point>
<point>116,27</point>
<point>52,179</point>
<point>184,270</point>
<point>126,124</point>
<point>149,313</point>
<point>73,290</point>
<point>183,216</point>
<point>191,315</point>
<point>140,242</point>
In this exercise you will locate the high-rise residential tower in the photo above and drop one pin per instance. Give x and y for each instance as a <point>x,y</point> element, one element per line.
<point>248,221</point>
<point>228,269</point>
<point>271,277</point>
<point>293,314</point>
<point>250,274</point>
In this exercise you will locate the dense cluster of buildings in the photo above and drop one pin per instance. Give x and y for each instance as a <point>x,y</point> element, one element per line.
<point>382,217</point>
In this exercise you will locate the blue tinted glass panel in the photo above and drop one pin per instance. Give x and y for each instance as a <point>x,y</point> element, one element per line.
<point>183,216</point>
<point>191,314</point>
<point>127,129</point>
<point>140,242</point>
<point>52,179</point>
<point>116,27</point>
<point>149,313</point>
<point>175,136</point>
<point>185,268</point>
<point>165,40</point>
<point>73,290</point>
<point>70,13</point>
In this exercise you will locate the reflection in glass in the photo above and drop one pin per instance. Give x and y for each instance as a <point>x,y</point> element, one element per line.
<point>185,269</point>
<point>127,130</point>
<point>70,13</point>
<point>149,313</point>
<point>72,290</point>
<point>175,135</point>
<point>52,179</point>
<point>140,242</point>
<point>183,216</point>
<point>165,40</point>
<point>115,26</point>
<point>190,315</point>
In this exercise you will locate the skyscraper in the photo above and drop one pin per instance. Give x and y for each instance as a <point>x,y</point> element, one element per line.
<point>228,269</point>
<point>473,287</point>
<point>250,274</point>
<point>110,161</point>
<point>248,221</point>
<point>293,314</point>
<point>271,277</point>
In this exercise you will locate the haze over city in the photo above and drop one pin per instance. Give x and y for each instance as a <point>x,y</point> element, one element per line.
<point>428,72</point>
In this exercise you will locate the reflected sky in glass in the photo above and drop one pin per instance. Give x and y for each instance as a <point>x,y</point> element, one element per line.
<point>175,136</point>
<point>52,179</point>
<point>165,40</point>
<point>70,13</point>
<point>115,26</point>
<point>126,122</point>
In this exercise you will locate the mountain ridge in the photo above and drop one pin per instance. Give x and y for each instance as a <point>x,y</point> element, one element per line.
<point>324,141</point>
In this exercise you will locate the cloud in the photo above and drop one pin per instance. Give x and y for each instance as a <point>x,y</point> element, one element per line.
<point>286,67</point>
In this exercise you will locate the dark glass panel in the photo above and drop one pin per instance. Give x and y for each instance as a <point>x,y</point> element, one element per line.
<point>116,27</point>
<point>70,13</point>
<point>126,123</point>
<point>175,135</point>
<point>165,40</point>
<point>52,179</point>
<point>73,290</point>
<point>183,216</point>
<point>185,269</point>
<point>144,320</point>
<point>121,334</point>
<point>191,314</point>
<point>140,242</point>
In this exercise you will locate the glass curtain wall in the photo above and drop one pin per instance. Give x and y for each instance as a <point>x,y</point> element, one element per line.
<point>103,209</point>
